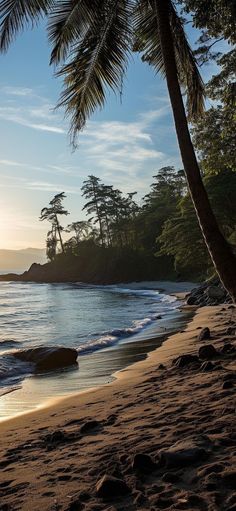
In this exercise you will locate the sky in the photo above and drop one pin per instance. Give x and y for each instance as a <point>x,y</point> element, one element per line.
<point>124,144</point>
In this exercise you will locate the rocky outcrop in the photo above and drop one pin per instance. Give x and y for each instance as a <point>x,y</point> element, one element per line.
<point>48,358</point>
<point>210,292</point>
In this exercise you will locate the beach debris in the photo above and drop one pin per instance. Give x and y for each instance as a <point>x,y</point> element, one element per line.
<point>89,426</point>
<point>185,360</point>
<point>207,352</point>
<point>109,487</point>
<point>181,454</point>
<point>48,358</point>
<point>204,334</point>
<point>143,463</point>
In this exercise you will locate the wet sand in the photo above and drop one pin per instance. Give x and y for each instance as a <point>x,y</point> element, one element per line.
<point>182,419</point>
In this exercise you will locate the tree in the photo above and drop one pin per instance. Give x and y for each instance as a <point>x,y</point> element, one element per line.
<point>95,38</point>
<point>92,190</point>
<point>51,214</point>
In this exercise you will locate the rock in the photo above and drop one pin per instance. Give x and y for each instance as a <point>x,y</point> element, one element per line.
<point>161,366</point>
<point>227,385</point>
<point>109,488</point>
<point>48,358</point>
<point>227,348</point>
<point>207,352</point>
<point>143,463</point>
<point>215,292</point>
<point>230,330</point>
<point>207,366</point>
<point>181,454</point>
<point>191,300</point>
<point>204,334</point>
<point>56,437</point>
<point>89,426</point>
<point>185,360</point>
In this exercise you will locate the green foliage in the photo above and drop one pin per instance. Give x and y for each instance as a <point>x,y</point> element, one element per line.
<point>181,236</point>
<point>51,214</point>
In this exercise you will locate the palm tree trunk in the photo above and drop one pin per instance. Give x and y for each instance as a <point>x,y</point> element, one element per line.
<point>220,251</point>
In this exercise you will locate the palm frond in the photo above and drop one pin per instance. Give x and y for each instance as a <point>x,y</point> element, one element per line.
<point>16,14</point>
<point>68,22</point>
<point>98,62</point>
<point>189,74</point>
<point>146,36</point>
<point>147,41</point>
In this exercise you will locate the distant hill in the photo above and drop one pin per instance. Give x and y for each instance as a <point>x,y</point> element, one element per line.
<point>20,260</point>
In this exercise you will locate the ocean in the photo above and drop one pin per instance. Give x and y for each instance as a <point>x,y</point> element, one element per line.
<point>109,326</point>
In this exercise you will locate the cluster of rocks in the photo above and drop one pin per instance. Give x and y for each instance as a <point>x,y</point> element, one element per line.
<point>209,293</point>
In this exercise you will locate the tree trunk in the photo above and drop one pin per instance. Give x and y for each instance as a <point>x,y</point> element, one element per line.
<point>59,234</point>
<point>220,251</point>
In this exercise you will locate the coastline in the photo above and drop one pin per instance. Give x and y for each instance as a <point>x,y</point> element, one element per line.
<point>145,410</point>
<point>95,369</point>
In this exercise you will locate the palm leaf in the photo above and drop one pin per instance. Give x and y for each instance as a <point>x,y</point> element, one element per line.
<point>68,22</point>
<point>16,14</point>
<point>147,41</point>
<point>98,62</point>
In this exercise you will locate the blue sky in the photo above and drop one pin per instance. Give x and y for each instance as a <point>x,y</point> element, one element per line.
<point>124,144</point>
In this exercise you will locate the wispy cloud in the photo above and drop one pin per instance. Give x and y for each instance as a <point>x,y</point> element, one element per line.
<point>29,109</point>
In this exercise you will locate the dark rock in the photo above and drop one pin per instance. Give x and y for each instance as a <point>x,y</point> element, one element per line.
<point>215,292</point>
<point>56,437</point>
<point>227,348</point>
<point>161,366</point>
<point>185,360</point>
<point>207,352</point>
<point>204,334</point>
<point>143,463</point>
<point>110,488</point>
<point>89,426</point>
<point>48,358</point>
<point>191,300</point>
<point>181,454</point>
<point>227,385</point>
<point>207,366</point>
<point>230,331</point>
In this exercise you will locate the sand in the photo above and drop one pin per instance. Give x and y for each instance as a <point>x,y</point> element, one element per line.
<point>182,419</point>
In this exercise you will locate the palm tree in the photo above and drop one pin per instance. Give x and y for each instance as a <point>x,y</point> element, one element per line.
<point>93,40</point>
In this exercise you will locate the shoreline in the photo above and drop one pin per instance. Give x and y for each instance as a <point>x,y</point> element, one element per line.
<point>95,369</point>
<point>146,410</point>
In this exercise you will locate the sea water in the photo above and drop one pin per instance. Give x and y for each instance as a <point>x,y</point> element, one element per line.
<point>91,319</point>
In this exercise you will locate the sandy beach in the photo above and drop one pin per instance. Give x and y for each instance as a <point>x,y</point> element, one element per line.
<point>161,436</point>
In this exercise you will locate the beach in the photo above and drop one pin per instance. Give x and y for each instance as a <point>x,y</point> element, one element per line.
<point>161,436</point>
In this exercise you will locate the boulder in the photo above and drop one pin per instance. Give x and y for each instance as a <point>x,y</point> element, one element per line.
<point>143,463</point>
<point>185,360</point>
<point>48,358</point>
<point>204,334</point>
<point>215,292</point>
<point>109,487</point>
<point>207,352</point>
